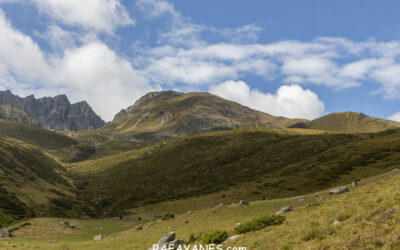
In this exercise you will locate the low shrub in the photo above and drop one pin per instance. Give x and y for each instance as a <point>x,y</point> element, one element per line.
<point>260,223</point>
<point>168,216</point>
<point>215,238</point>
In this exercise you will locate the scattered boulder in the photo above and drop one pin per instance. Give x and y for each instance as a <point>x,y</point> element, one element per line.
<point>284,210</point>
<point>65,224</point>
<point>355,183</point>
<point>220,205</point>
<point>244,203</point>
<point>238,224</point>
<point>189,212</point>
<point>139,227</point>
<point>395,170</point>
<point>232,238</point>
<point>52,241</point>
<point>98,237</point>
<point>169,240</point>
<point>339,190</point>
<point>5,233</point>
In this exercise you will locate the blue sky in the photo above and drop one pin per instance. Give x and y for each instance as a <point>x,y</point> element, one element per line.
<point>290,58</point>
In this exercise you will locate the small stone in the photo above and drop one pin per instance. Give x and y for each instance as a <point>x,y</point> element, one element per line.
<point>355,183</point>
<point>65,224</point>
<point>238,224</point>
<point>5,233</point>
<point>98,237</point>
<point>244,203</point>
<point>336,222</point>
<point>139,227</point>
<point>220,205</point>
<point>189,212</point>
<point>52,241</point>
<point>232,238</point>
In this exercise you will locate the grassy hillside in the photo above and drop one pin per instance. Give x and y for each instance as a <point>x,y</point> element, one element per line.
<point>272,163</point>
<point>16,115</point>
<point>168,113</point>
<point>36,136</point>
<point>348,122</point>
<point>368,219</point>
<point>32,184</point>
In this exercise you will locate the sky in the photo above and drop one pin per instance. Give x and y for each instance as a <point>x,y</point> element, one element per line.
<point>298,59</point>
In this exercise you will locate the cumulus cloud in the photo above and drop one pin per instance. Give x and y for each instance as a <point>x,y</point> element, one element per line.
<point>395,117</point>
<point>289,101</point>
<point>91,72</point>
<point>100,15</point>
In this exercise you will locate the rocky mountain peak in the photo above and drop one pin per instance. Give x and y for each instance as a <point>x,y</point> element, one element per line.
<point>56,113</point>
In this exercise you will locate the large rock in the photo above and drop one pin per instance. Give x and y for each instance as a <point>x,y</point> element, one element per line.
<point>5,233</point>
<point>339,190</point>
<point>55,113</point>
<point>168,241</point>
<point>283,210</point>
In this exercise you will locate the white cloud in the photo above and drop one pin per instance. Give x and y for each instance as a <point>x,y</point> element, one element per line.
<point>156,8</point>
<point>389,77</point>
<point>290,101</point>
<point>395,117</point>
<point>91,72</point>
<point>100,15</point>
<point>19,54</point>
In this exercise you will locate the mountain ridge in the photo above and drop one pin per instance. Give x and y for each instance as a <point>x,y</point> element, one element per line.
<point>168,113</point>
<point>349,122</point>
<point>55,113</point>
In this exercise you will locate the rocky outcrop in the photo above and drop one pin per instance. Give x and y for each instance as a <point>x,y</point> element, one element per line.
<point>339,190</point>
<point>55,113</point>
<point>284,210</point>
<point>16,115</point>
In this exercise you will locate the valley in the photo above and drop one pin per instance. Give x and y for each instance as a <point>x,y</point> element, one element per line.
<point>171,153</point>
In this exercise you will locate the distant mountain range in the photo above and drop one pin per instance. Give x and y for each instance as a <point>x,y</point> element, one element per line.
<point>167,114</point>
<point>55,113</point>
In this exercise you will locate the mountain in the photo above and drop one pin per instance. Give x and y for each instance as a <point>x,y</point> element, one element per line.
<point>168,113</point>
<point>16,115</point>
<point>349,122</point>
<point>55,113</point>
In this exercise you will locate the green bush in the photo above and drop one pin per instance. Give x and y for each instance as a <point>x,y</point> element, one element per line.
<point>168,216</point>
<point>215,238</point>
<point>260,223</point>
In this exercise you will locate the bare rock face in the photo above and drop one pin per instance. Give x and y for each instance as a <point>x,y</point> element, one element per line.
<point>55,113</point>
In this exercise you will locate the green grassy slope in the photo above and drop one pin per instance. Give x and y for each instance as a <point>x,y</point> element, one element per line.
<point>36,136</point>
<point>273,163</point>
<point>16,115</point>
<point>348,122</point>
<point>32,184</point>
<point>368,219</point>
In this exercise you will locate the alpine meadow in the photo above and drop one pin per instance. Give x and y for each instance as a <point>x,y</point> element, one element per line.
<point>182,125</point>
